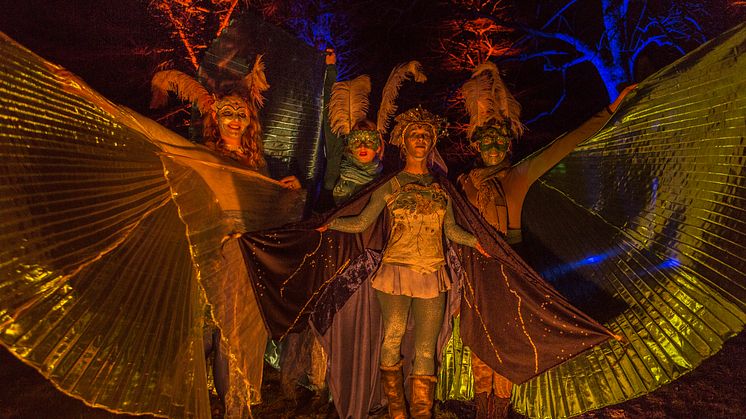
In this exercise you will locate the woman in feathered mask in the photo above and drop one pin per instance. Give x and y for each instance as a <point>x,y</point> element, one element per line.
<point>363,144</point>
<point>497,189</point>
<point>231,125</point>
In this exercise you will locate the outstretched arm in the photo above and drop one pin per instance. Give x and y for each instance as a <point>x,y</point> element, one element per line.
<point>538,164</point>
<point>369,214</point>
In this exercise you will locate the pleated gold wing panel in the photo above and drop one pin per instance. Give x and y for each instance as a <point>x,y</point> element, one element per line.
<point>216,202</point>
<point>644,227</point>
<point>291,118</point>
<point>97,287</point>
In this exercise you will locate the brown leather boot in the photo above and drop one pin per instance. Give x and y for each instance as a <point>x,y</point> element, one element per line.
<point>482,404</point>
<point>392,382</point>
<point>423,389</point>
<point>500,407</point>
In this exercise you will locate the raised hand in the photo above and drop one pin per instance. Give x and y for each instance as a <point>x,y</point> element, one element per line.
<point>615,104</point>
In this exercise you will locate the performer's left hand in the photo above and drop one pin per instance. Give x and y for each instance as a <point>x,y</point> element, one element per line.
<point>290,182</point>
<point>481,250</point>
<point>614,105</point>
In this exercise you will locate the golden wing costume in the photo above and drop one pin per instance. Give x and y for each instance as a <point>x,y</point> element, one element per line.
<point>650,212</point>
<point>115,233</point>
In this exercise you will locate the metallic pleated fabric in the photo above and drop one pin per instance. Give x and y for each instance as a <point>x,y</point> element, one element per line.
<point>292,115</point>
<point>455,378</point>
<point>644,224</point>
<point>87,295</point>
<point>114,234</point>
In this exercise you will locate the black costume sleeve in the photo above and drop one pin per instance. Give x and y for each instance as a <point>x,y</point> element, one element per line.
<point>334,144</point>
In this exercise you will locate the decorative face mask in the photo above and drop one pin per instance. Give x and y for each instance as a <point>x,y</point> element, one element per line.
<point>232,114</point>
<point>419,140</point>
<point>363,145</point>
<point>494,143</point>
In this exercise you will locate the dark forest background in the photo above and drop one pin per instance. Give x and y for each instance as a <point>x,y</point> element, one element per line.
<point>563,60</point>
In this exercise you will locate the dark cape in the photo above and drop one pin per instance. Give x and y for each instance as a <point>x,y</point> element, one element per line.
<point>510,317</point>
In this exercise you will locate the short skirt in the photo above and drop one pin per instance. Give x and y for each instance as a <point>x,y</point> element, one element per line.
<point>400,280</point>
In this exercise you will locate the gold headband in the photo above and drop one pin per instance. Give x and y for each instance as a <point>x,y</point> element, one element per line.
<point>417,116</point>
<point>230,100</point>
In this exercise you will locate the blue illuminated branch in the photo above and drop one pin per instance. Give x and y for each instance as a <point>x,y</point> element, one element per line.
<point>660,40</point>
<point>576,43</point>
<point>543,54</point>
<point>556,104</point>
<point>610,76</point>
<point>558,14</point>
<point>629,29</point>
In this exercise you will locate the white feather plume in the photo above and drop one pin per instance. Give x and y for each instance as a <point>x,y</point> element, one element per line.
<point>349,104</point>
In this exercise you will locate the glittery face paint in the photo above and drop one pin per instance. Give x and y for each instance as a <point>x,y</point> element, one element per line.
<point>363,145</point>
<point>233,118</point>
<point>493,147</point>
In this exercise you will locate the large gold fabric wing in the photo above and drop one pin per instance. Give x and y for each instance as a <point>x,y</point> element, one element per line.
<point>649,216</point>
<point>87,296</point>
<point>114,234</point>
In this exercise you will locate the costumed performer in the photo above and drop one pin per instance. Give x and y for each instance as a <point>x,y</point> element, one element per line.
<point>498,189</point>
<point>412,276</point>
<point>230,125</point>
<point>230,128</point>
<point>362,138</point>
<point>106,299</point>
<point>361,164</point>
<point>359,306</point>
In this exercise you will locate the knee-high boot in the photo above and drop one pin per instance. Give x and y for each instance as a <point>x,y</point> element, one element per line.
<point>502,389</point>
<point>423,389</point>
<point>392,382</point>
<point>482,388</point>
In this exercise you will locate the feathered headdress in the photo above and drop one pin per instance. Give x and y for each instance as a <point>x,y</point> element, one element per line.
<point>349,102</point>
<point>398,75</point>
<point>417,116</point>
<point>487,99</point>
<point>251,88</point>
<point>255,83</point>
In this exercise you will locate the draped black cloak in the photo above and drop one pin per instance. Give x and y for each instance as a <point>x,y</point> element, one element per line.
<point>510,317</point>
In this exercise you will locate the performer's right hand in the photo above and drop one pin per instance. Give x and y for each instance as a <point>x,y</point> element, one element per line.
<point>331,57</point>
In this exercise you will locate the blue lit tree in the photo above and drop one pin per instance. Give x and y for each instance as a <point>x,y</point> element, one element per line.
<point>608,34</point>
<point>628,29</point>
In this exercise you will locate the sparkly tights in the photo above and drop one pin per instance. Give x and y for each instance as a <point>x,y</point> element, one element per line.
<point>428,318</point>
